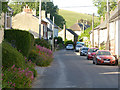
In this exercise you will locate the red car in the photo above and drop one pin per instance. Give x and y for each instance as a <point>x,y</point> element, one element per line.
<point>91,53</point>
<point>104,57</point>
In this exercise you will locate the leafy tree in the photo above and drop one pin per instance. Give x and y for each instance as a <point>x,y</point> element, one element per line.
<point>102,6</point>
<point>4,6</point>
<point>48,6</point>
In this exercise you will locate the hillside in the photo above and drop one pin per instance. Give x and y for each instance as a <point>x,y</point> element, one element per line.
<point>72,17</point>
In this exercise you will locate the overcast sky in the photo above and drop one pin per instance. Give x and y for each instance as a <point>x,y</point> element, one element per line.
<point>77,6</point>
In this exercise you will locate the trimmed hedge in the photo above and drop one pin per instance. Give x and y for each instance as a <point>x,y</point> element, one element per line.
<point>66,42</point>
<point>43,43</point>
<point>22,40</point>
<point>11,56</point>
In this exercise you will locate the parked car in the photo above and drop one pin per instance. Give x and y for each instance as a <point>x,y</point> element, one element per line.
<point>91,53</point>
<point>83,51</point>
<point>104,57</point>
<point>82,43</point>
<point>77,47</point>
<point>69,47</point>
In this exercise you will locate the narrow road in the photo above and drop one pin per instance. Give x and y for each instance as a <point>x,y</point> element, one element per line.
<point>69,70</point>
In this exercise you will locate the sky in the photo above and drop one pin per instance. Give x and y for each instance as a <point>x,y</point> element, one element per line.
<point>77,6</point>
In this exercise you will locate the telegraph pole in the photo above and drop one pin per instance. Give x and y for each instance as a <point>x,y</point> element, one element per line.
<point>93,30</point>
<point>108,37</point>
<point>40,19</point>
<point>53,34</point>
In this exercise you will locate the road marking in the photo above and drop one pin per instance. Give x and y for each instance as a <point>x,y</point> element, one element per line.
<point>71,86</point>
<point>110,73</point>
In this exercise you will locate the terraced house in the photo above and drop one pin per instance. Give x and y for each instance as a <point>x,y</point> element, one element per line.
<point>100,32</point>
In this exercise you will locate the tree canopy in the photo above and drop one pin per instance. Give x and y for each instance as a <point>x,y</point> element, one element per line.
<point>102,6</point>
<point>49,7</point>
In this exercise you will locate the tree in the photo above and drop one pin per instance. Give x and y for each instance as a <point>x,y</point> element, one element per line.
<point>102,6</point>
<point>48,6</point>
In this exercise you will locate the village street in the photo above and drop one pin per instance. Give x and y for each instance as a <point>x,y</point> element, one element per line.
<point>69,70</point>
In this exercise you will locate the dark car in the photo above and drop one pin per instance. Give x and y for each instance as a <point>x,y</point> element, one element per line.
<point>83,51</point>
<point>91,53</point>
<point>104,57</point>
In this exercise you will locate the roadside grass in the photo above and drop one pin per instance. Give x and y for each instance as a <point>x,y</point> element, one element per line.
<point>72,17</point>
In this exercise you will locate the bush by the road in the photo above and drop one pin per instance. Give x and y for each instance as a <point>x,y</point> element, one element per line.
<point>19,39</point>
<point>17,71</point>
<point>41,56</point>
<point>11,56</point>
<point>43,43</point>
<point>66,42</point>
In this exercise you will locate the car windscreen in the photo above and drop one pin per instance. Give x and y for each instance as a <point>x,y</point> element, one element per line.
<point>85,48</point>
<point>70,45</point>
<point>104,53</point>
<point>78,46</point>
<point>93,50</point>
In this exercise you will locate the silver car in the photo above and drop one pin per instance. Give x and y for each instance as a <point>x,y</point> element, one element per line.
<point>77,48</point>
<point>69,47</point>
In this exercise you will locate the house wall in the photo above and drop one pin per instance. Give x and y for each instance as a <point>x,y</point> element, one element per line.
<point>61,34</point>
<point>55,32</point>
<point>117,42</point>
<point>112,37</point>
<point>91,38</point>
<point>103,36</point>
<point>95,37</point>
<point>78,32</point>
<point>69,36</point>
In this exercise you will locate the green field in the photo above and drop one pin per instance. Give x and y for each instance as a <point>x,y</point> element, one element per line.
<point>72,17</point>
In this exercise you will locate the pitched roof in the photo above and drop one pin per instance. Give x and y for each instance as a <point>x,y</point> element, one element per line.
<point>51,22</point>
<point>48,29</point>
<point>72,32</point>
<point>78,27</point>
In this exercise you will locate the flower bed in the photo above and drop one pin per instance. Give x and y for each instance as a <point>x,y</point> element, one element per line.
<point>14,77</point>
<point>41,56</point>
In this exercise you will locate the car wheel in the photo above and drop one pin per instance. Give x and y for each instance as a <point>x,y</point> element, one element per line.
<point>87,58</point>
<point>93,62</point>
<point>96,62</point>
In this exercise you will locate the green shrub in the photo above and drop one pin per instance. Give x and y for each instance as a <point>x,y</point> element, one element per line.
<point>11,56</point>
<point>66,42</point>
<point>19,39</point>
<point>41,56</point>
<point>59,40</point>
<point>15,67</point>
<point>43,43</point>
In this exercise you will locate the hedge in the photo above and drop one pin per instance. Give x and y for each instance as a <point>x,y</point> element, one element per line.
<point>22,40</point>
<point>11,56</point>
<point>43,43</point>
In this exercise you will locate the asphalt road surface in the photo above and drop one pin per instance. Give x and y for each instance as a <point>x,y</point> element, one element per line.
<point>70,70</point>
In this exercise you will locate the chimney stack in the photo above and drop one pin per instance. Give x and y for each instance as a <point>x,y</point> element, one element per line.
<point>34,12</point>
<point>27,9</point>
<point>101,19</point>
<point>48,15</point>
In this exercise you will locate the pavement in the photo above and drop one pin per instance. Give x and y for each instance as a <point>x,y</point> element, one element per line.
<point>70,70</point>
